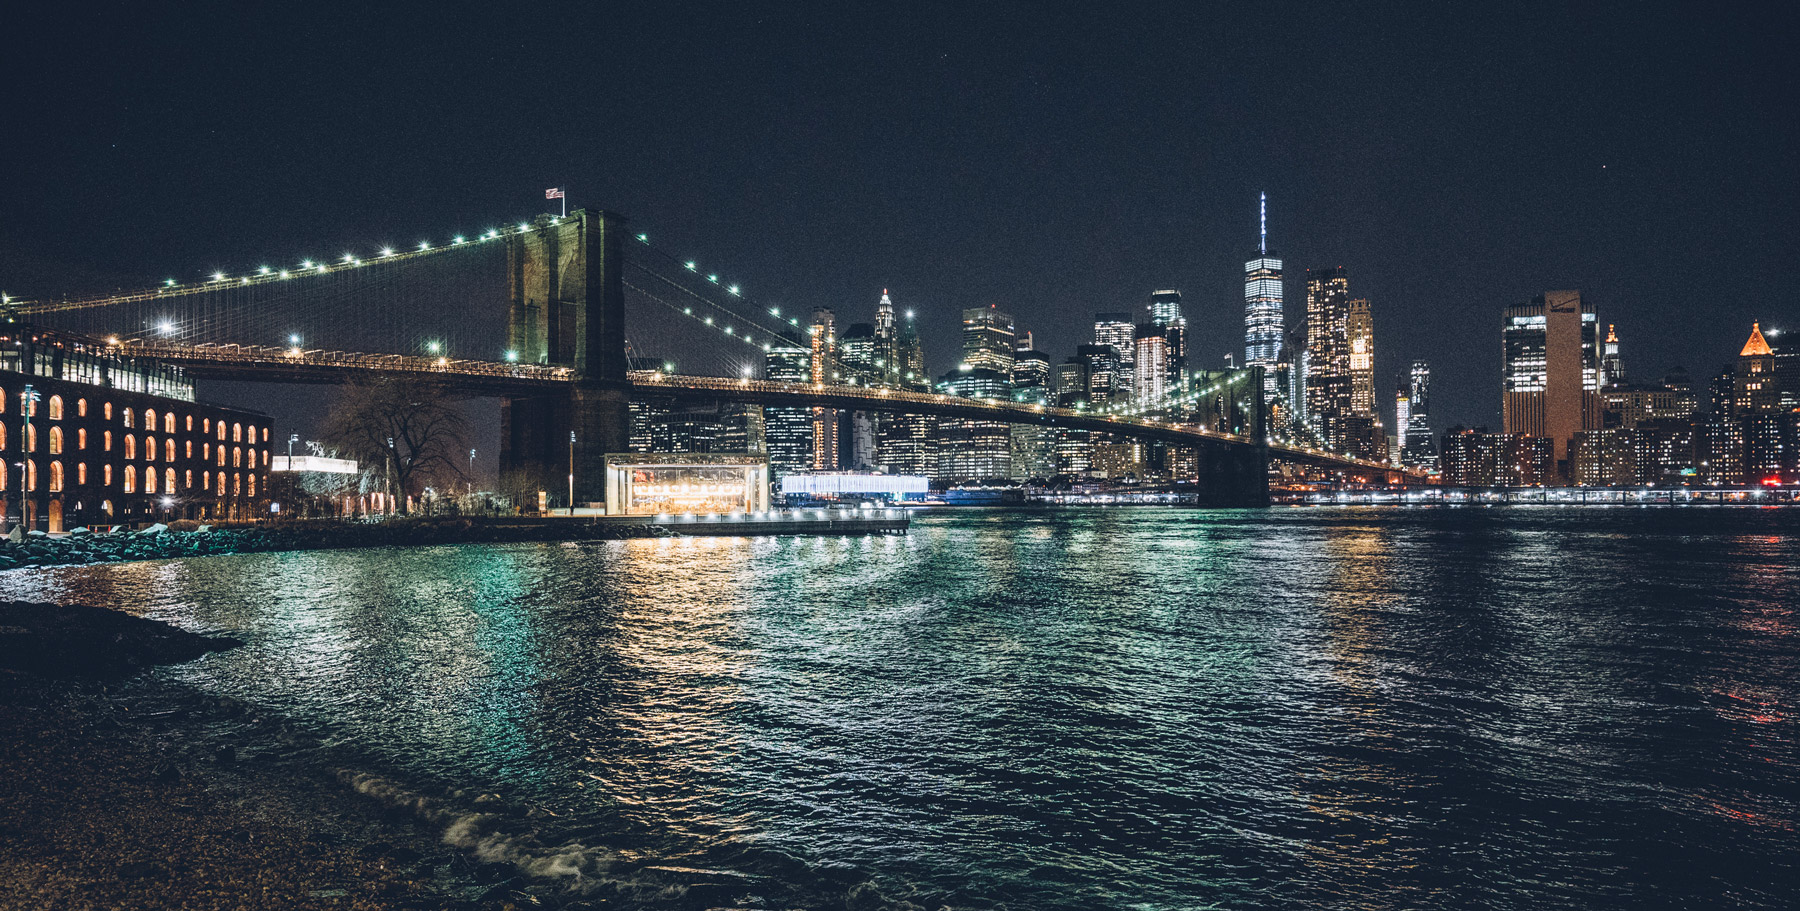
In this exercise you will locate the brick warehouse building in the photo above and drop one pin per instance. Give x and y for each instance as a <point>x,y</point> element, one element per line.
<point>105,439</point>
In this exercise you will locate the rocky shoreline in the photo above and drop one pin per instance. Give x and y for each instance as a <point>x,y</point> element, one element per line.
<point>161,542</point>
<point>121,789</point>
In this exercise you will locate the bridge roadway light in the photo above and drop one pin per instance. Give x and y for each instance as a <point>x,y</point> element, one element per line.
<point>294,340</point>
<point>457,239</point>
<point>385,251</point>
<point>165,327</point>
<point>512,357</point>
<point>424,245</point>
<point>168,283</point>
<point>263,270</point>
<point>218,276</point>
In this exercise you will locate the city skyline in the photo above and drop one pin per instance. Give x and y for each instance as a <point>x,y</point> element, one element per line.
<point>924,165</point>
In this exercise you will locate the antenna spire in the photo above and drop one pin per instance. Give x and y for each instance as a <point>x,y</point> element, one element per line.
<point>1263,246</point>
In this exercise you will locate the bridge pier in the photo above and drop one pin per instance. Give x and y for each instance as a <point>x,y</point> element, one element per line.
<point>566,308</point>
<point>1233,476</point>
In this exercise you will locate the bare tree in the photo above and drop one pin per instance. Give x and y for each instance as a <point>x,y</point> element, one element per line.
<point>407,429</point>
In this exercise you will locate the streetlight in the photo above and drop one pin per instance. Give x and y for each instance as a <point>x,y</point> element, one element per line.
<point>571,472</point>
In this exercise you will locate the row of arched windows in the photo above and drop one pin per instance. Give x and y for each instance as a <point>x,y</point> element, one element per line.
<point>240,484</point>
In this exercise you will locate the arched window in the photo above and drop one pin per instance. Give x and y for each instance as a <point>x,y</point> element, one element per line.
<point>221,457</point>
<point>221,433</point>
<point>149,449</point>
<point>130,446</point>
<point>237,433</point>
<point>7,473</point>
<point>107,440</point>
<point>237,484</point>
<point>149,479</point>
<point>149,418</point>
<point>221,483</point>
<point>130,479</point>
<point>190,449</point>
<point>2,429</point>
<point>169,450</point>
<point>168,480</point>
<point>126,412</point>
<point>56,408</point>
<point>205,480</point>
<point>106,507</point>
<point>265,458</point>
<point>206,451</point>
<point>265,435</point>
<point>106,475</point>
<point>106,411</point>
<point>188,480</point>
<point>31,438</point>
<point>81,408</point>
<point>237,457</point>
<point>56,440</point>
<point>206,425</point>
<point>190,423</point>
<point>81,473</point>
<point>30,475</point>
<point>56,477</point>
<point>253,485</point>
<point>3,398</point>
<point>81,438</point>
<point>169,422</point>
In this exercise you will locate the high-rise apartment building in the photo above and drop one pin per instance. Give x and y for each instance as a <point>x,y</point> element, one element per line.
<point>1402,417</point>
<point>1262,306</point>
<point>1165,315</point>
<point>1552,369</point>
<point>988,339</point>
<point>970,450</point>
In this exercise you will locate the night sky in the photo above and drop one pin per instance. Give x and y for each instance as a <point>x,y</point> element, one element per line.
<point>1453,159</point>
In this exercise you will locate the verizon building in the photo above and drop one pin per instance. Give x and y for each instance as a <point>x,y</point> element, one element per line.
<point>1552,370</point>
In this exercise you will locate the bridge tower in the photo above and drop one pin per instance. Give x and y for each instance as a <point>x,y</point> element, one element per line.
<point>566,308</point>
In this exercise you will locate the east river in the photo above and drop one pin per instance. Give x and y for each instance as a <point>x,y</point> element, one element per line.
<point>1081,709</point>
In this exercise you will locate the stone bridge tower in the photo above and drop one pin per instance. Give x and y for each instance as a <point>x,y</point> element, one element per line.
<point>566,308</point>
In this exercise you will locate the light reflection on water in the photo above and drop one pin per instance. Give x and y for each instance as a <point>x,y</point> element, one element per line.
<point>1103,709</point>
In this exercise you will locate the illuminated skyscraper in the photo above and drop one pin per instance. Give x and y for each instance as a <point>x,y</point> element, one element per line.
<point>1402,417</point>
<point>1328,393</point>
<point>823,368</point>
<point>1151,382</point>
<point>788,431</point>
<point>1262,306</point>
<point>1360,326</point>
<point>1552,370</point>
<point>1165,315</point>
<point>1420,447</point>
<point>1118,330</point>
<point>1612,367</point>
<point>988,339</point>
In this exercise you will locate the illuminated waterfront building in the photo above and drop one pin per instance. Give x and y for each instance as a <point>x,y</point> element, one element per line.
<point>88,437</point>
<point>1552,370</point>
<point>1262,306</point>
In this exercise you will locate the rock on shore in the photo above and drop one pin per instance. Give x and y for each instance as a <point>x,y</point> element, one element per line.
<point>78,641</point>
<point>162,542</point>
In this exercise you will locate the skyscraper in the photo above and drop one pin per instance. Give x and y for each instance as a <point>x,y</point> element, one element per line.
<point>988,339</point>
<point>788,431</point>
<point>1328,393</point>
<point>1118,330</point>
<point>1361,328</point>
<point>1402,417</point>
<point>1420,448</point>
<point>1165,315</point>
<point>1165,307</point>
<point>1262,306</point>
<point>1612,367</point>
<point>1150,385</point>
<point>1552,370</point>
<point>822,368</point>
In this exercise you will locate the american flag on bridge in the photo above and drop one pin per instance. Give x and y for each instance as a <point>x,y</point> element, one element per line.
<point>553,193</point>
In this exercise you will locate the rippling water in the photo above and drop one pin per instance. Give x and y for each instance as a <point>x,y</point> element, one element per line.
<point>1135,708</point>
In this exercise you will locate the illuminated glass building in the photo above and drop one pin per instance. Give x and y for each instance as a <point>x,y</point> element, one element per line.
<point>988,339</point>
<point>1552,370</point>
<point>822,367</point>
<point>1150,385</point>
<point>1420,447</point>
<point>1117,330</point>
<point>1328,355</point>
<point>788,431</point>
<point>1262,307</point>
<point>1360,326</point>
<point>973,450</point>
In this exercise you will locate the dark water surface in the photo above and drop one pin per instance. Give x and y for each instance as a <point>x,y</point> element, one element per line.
<point>1130,709</point>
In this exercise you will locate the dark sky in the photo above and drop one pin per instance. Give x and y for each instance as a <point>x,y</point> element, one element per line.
<point>1454,159</point>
